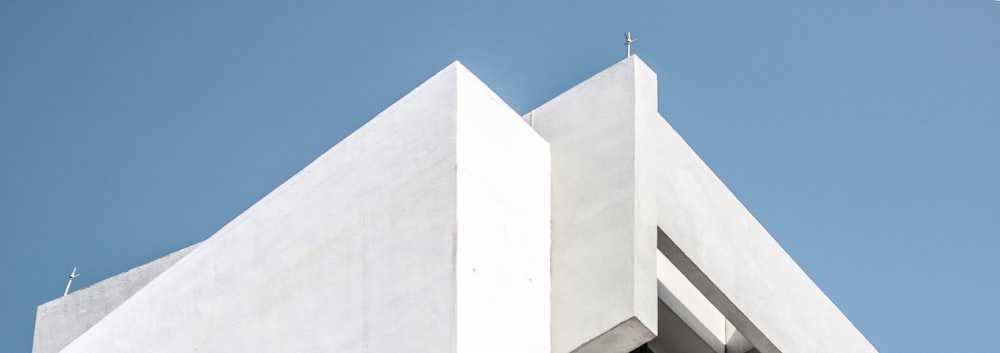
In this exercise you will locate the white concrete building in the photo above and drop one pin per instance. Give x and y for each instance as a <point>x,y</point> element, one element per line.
<point>448,223</point>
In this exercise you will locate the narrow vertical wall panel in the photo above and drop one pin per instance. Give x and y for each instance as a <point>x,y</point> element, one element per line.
<point>603,210</point>
<point>502,248</point>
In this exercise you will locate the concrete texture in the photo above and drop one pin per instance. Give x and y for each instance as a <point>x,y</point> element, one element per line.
<point>502,252</point>
<point>708,234</point>
<point>681,301</point>
<point>448,224</point>
<point>400,238</point>
<point>615,160</point>
<point>688,321</point>
<point>60,321</point>
<point>603,210</point>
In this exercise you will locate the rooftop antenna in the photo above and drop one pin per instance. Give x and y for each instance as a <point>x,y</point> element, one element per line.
<point>72,275</point>
<point>628,44</point>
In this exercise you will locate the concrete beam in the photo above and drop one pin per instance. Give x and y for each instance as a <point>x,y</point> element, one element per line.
<point>708,234</point>
<point>698,326</point>
<point>503,242</point>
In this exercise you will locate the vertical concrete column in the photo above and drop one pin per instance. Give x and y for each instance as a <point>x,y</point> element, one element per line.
<point>603,210</point>
<point>502,242</point>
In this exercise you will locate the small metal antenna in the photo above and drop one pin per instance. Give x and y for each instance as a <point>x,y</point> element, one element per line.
<point>628,44</point>
<point>72,275</point>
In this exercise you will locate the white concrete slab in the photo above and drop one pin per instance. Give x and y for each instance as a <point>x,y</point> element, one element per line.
<point>603,210</point>
<point>364,249</point>
<point>60,321</point>
<point>730,257</point>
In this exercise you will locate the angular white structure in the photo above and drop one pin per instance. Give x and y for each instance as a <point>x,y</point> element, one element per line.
<point>450,224</point>
<point>603,210</point>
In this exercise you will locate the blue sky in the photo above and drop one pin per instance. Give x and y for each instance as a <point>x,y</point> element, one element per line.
<point>862,134</point>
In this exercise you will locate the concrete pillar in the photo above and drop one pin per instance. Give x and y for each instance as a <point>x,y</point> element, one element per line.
<point>603,210</point>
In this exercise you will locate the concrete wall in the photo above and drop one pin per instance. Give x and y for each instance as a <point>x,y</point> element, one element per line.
<point>503,226</point>
<point>615,160</point>
<point>60,321</point>
<point>447,224</point>
<point>730,257</point>
<point>603,211</point>
<point>359,251</point>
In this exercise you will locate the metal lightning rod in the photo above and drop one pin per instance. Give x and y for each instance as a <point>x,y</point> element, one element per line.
<point>72,275</point>
<point>628,44</point>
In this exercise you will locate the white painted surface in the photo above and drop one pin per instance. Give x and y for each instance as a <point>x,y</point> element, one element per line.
<point>603,211</point>
<point>357,252</point>
<point>503,226</point>
<point>603,134</point>
<point>60,321</point>
<point>427,230</point>
<point>718,244</point>
<point>689,305</point>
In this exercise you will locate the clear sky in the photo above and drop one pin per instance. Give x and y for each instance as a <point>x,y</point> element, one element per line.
<point>862,134</point>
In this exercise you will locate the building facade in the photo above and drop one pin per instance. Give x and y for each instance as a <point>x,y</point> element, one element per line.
<point>450,223</point>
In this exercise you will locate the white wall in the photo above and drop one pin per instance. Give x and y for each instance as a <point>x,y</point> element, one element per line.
<point>732,259</point>
<point>429,230</point>
<point>358,251</point>
<point>603,211</point>
<point>60,321</point>
<point>503,227</point>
